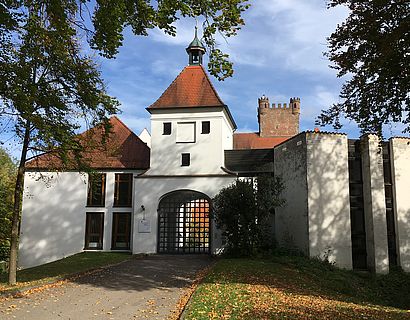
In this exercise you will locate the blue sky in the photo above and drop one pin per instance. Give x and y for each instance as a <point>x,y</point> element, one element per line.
<point>279,53</point>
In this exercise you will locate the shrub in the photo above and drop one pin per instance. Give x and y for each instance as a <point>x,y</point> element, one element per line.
<point>244,211</point>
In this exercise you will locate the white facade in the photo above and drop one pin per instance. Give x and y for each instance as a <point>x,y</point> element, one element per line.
<point>206,150</point>
<point>54,215</point>
<point>149,193</point>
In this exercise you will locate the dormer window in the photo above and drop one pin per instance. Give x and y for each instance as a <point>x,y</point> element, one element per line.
<point>166,129</point>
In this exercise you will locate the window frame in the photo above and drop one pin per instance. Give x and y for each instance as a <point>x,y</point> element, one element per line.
<point>90,190</point>
<point>88,234</point>
<point>115,217</point>
<point>117,193</point>
<point>183,157</point>
<point>165,130</point>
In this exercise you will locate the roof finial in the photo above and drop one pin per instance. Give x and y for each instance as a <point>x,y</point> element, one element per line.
<point>195,50</point>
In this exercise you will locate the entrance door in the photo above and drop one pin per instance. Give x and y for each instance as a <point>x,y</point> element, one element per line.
<point>184,223</point>
<point>94,228</point>
<point>121,227</point>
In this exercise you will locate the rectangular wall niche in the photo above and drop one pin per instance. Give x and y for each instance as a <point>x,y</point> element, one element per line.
<point>185,132</point>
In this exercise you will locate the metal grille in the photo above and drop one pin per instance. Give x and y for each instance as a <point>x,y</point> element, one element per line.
<point>184,223</point>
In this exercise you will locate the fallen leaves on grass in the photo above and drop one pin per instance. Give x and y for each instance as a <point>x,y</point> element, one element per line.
<point>251,290</point>
<point>187,293</point>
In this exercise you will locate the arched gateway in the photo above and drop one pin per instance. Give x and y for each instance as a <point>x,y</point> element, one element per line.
<point>184,223</point>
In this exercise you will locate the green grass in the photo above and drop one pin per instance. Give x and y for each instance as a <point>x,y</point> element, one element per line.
<point>59,269</point>
<point>285,287</point>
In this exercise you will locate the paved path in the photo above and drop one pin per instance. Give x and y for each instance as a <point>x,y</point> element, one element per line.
<point>142,288</point>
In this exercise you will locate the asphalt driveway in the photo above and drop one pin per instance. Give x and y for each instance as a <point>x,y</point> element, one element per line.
<point>143,288</point>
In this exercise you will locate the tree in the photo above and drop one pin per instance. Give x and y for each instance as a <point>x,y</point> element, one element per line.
<point>7,179</point>
<point>244,212</point>
<point>372,48</point>
<point>49,87</point>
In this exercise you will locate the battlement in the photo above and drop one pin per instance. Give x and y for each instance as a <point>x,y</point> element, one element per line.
<point>294,104</point>
<point>280,119</point>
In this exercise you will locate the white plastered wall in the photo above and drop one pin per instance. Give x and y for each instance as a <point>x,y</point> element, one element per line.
<point>374,205</point>
<point>148,192</point>
<point>291,220</point>
<point>328,198</point>
<point>54,216</point>
<point>207,150</point>
<point>400,159</point>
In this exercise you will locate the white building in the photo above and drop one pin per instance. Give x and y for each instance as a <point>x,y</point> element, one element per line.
<point>347,200</point>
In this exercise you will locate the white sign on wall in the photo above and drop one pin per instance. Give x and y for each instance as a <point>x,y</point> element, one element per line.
<point>144,226</point>
<point>186,132</point>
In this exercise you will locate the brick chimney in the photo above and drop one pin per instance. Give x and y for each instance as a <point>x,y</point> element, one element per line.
<point>278,121</point>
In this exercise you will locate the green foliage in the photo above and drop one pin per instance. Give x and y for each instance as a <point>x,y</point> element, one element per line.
<point>110,18</point>
<point>372,49</point>
<point>49,86</point>
<point>244,213</point>
<point>7,181</point>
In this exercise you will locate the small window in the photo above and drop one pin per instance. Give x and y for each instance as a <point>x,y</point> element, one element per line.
<point>206,127</point>
<point>186,160</point>
<point>96,190</point>
<point>167,129</point>
<point>123,190</point>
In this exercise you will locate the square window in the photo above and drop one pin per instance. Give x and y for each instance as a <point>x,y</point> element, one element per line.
<point>167,129</point>
<point>206,127</point>
<point>186,160</point>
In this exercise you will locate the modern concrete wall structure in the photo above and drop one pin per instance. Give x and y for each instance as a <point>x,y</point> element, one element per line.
<point>316,218</point>
<point>400,157</point>
<point>291,220</point>
<point>374,204</point>
<point>328,198</point>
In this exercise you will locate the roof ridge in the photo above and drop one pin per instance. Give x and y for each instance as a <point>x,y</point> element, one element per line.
<point>212,86</point>
<point>126,127</point>
<point>163,93</point>
<point>191,88</point>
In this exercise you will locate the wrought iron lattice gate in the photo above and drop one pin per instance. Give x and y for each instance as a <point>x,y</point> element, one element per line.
<point>184,223</point>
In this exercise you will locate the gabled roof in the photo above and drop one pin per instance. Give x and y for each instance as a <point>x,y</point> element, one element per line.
<point>252,140</point>
<point>122,150</point>
<point>192,88</point>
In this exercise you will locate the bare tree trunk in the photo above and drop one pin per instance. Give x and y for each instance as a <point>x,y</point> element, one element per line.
<point>18,194</point>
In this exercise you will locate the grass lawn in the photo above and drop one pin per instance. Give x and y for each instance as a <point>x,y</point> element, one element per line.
<point>286,287</point>
<point>59,269</point>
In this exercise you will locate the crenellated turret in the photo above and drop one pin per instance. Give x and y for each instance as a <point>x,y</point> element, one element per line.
<point>278,120</point>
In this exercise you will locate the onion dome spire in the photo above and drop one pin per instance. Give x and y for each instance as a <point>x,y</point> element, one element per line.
<point>195,50</point>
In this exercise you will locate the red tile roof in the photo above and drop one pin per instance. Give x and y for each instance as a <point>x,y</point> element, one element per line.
<point>254,141</point>
<point>123,150</point>
<point>192,88</point>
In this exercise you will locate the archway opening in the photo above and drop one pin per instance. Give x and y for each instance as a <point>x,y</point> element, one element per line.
<point>184,223</point>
